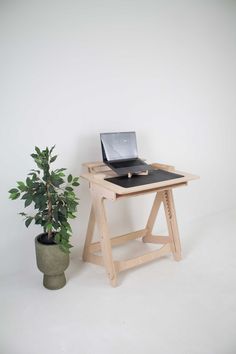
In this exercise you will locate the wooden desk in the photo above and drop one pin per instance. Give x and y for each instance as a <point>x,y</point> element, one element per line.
<point>102,190</point>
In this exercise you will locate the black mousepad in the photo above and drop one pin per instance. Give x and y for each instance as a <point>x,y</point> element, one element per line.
<point>139,180</point>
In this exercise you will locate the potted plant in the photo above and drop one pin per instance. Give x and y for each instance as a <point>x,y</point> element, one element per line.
<point>52,194</point>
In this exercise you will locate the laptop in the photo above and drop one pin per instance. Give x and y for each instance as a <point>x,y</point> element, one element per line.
<point>120,153</point>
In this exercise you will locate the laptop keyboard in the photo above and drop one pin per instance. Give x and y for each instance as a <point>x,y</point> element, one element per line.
<point>128,163</point>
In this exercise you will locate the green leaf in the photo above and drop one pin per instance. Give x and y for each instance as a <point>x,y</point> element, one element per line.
<point>70,189</point>
<point>61,217</point>
<point>75,184</point>
<point>67,226</point>
<point>51,189</point>
<point>13,191</point>
<point>40,201</point>
<point>55,225</point>
<point>28,201</point>
<point>37,171</point>
<point>61,174</point>
<point>25,196</point>
<point>39,163</point>
<point>49,227</point>
<point>63,232</point>
<point>21,186</point>
<point>56,180</point>
<point>28,182</point>
<point>63,210</point>
<point>51,150</point>
<point>32,174</point>
<point>57,238</point>
<point>53,158</point>
<point>60,170</point>
<point>64,248</point>
<point>55,214</point>
<point>69,178</point>
<point>37,150</point>
<point>28,221</point>
<point>14,196</point>
<point>39,221</point>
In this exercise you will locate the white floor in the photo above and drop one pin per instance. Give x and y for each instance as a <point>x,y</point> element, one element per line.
<point>164,307</point>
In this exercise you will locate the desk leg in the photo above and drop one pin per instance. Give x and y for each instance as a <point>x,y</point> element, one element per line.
<point>170,213</point>
<point>152,217</point>
<point>100,214</point>
<point>89,234</point>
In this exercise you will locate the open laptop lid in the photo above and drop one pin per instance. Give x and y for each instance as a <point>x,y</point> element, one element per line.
<point>119,146</point>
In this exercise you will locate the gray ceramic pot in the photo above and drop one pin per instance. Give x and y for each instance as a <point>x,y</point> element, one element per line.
<point>51,261</point>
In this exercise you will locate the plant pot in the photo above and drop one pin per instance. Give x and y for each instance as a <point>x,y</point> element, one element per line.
<point>52,262</point>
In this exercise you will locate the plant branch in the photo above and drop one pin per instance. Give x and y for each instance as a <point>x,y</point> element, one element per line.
<point>49,209</point>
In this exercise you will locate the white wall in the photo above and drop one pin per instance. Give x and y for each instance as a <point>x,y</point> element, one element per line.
<point>72,69</point>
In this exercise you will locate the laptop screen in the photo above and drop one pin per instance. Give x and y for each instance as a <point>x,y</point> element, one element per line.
<point>119,146</point>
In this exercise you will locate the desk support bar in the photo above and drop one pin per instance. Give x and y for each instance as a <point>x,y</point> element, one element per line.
<point>100,215</point>
<point>145,258</point>
<point>152,217</point>
<point>172,224</point>
<point>89,234</point>
<point>118,240</point>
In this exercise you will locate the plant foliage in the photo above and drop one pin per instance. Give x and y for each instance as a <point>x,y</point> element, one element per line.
<point>52,194</point>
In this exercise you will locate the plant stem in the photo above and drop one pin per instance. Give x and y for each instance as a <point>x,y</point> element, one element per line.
<point>49,209</point>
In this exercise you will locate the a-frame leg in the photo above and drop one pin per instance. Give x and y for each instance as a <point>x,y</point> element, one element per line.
<point>170,213</point>
<point>100,215</point>
<point>152,217</point>
<point>89,234</point>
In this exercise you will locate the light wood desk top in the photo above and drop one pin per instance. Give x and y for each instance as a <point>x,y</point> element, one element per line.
<point>98,171</point>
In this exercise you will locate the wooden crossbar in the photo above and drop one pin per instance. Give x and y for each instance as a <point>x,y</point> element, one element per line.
<point>147,257</point>
<point>93,258</point>
<point>133,262</point>
<point>157,239</point>
<point>118,240</point>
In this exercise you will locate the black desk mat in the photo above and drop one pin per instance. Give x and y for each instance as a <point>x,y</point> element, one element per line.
<point>137,180</point>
